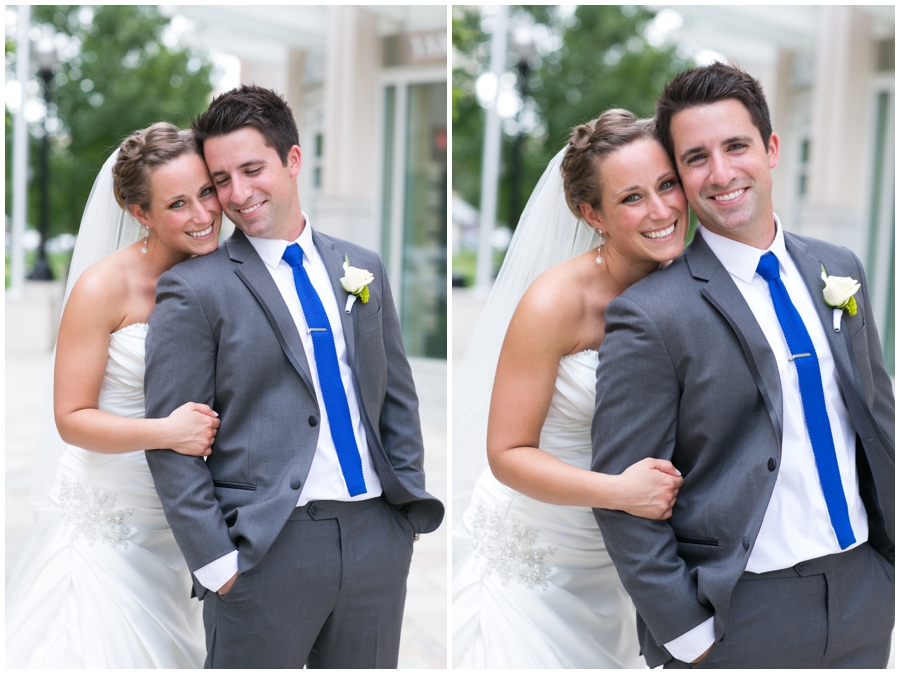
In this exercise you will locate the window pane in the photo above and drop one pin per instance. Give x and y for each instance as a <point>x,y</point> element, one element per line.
<point>424,277</point>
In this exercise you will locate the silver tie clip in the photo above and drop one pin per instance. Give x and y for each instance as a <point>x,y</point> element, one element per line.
<point>309,330</point>
<point>799,355</point>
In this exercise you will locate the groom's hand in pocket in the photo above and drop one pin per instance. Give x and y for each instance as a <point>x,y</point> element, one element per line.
<point>227,586</point>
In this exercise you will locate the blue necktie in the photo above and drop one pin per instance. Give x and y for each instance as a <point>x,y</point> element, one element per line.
<point>811,393</point>
<point>329,374</point>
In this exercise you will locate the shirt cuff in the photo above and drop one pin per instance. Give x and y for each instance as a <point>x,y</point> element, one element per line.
<point>690,645</point>
<point>218,572</point>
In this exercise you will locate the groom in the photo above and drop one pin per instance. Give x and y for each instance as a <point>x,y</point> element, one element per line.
<point>775,406</point>
<point>299,527</point>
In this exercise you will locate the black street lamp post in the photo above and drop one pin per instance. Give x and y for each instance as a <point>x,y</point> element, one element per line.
<point>46,56</point>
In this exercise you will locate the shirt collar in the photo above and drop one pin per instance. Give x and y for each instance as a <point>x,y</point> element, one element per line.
<point>272,250</point>
<point>739,259</point>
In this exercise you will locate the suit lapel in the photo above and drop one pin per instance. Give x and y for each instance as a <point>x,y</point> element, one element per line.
<point>724,295</point>
<point>334,263</point>
<point>253,272</point>
<point>810,269</point>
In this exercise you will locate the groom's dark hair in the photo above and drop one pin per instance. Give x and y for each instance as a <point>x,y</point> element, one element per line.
<point>249,105</point>
<point>710,84</point>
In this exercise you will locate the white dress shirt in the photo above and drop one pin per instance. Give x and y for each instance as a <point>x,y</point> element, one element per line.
<point>325,480</point>
<point>796,526</point>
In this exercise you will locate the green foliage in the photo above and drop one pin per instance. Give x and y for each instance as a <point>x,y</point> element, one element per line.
<point>121,78</point>
<point>466,261</point>
<point>59,264</point>
<point>603,62</point>
<point>471,47</point>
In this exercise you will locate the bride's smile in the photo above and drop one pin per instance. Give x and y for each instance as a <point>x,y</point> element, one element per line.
<point>661,233</point>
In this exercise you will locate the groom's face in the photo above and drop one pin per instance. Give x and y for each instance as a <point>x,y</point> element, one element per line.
<point>256,190</point>
<point>725,169</point>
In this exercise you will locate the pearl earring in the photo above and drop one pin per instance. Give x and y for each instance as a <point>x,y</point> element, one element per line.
<point>146,239</point>
<point>599,259</point>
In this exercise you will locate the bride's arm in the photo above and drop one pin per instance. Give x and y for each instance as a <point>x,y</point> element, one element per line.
<point>93,312</point>
<point>541,331</point>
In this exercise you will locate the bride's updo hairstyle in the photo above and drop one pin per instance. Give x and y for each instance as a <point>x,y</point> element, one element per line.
<point>143,152</point>
<point>589,145</point>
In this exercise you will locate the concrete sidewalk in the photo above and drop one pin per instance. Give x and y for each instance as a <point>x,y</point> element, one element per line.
<point>467,307</point>
<point>28,363</point>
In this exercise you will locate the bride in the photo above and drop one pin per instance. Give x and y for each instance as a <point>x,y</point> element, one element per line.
<point>533,585</point>
<point>100,582</point>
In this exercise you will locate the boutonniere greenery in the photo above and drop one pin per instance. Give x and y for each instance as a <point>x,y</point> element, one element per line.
<point>356,282</point>
<point>838,293</point>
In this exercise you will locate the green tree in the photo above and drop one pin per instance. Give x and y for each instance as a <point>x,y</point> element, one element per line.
<point>119,75</point>
<point>471,46</point>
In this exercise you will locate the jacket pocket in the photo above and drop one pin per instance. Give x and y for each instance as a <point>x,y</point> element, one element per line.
<point>696,540</point>
<point>370,323</point>
<point>234,485</point>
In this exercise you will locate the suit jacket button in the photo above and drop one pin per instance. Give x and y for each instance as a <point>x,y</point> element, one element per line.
<point>771,464</point>
<point>313,420</point>
<point>746,543</point>
<point>295,483</point>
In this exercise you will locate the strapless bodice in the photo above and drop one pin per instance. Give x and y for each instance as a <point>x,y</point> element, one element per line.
<point>122,392</point>
<point>567,430</point>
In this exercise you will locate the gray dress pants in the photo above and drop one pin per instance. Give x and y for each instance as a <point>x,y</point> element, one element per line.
<point>328,594</point>
<point>832,612</point>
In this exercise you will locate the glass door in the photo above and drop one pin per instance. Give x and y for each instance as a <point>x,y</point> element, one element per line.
<point>414,211</point>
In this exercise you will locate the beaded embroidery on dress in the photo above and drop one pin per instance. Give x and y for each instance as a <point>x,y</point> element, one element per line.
<point>100,582</point>
<point>533,584</point>
<point>92,513</point>
<point>508,548</point>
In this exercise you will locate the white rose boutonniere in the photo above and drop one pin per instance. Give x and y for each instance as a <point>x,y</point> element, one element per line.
<point>838,293</point>
<point>356,282</point>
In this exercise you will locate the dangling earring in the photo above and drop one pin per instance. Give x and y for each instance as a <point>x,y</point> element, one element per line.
<point>599,259</point>
<point>146,238</point>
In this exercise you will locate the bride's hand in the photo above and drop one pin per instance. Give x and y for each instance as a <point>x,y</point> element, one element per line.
<point>192,429</point>
<point>649,488</point>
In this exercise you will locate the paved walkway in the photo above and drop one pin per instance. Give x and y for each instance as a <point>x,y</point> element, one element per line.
<point>467,307</point>
<point>424,636</point>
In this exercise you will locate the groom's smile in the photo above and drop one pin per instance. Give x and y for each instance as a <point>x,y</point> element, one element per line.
<point>731,196</point>
<point>251,209</point>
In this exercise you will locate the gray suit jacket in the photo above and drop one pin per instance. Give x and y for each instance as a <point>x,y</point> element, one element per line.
<point>221,334</point>
<point>686,374</point>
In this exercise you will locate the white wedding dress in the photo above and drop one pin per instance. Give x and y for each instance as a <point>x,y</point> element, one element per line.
<point>100,582</point>
<point>533,585</point>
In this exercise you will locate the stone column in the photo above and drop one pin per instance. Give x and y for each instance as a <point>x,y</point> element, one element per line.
<point>841,113</point>
<point>350,177</point>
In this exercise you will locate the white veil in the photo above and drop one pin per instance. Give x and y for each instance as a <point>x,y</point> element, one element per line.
<point>105,227</point>
<point>547,234</point>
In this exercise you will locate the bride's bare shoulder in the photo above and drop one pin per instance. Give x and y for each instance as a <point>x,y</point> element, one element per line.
<point>102,289</point>
<point>559,292</point>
